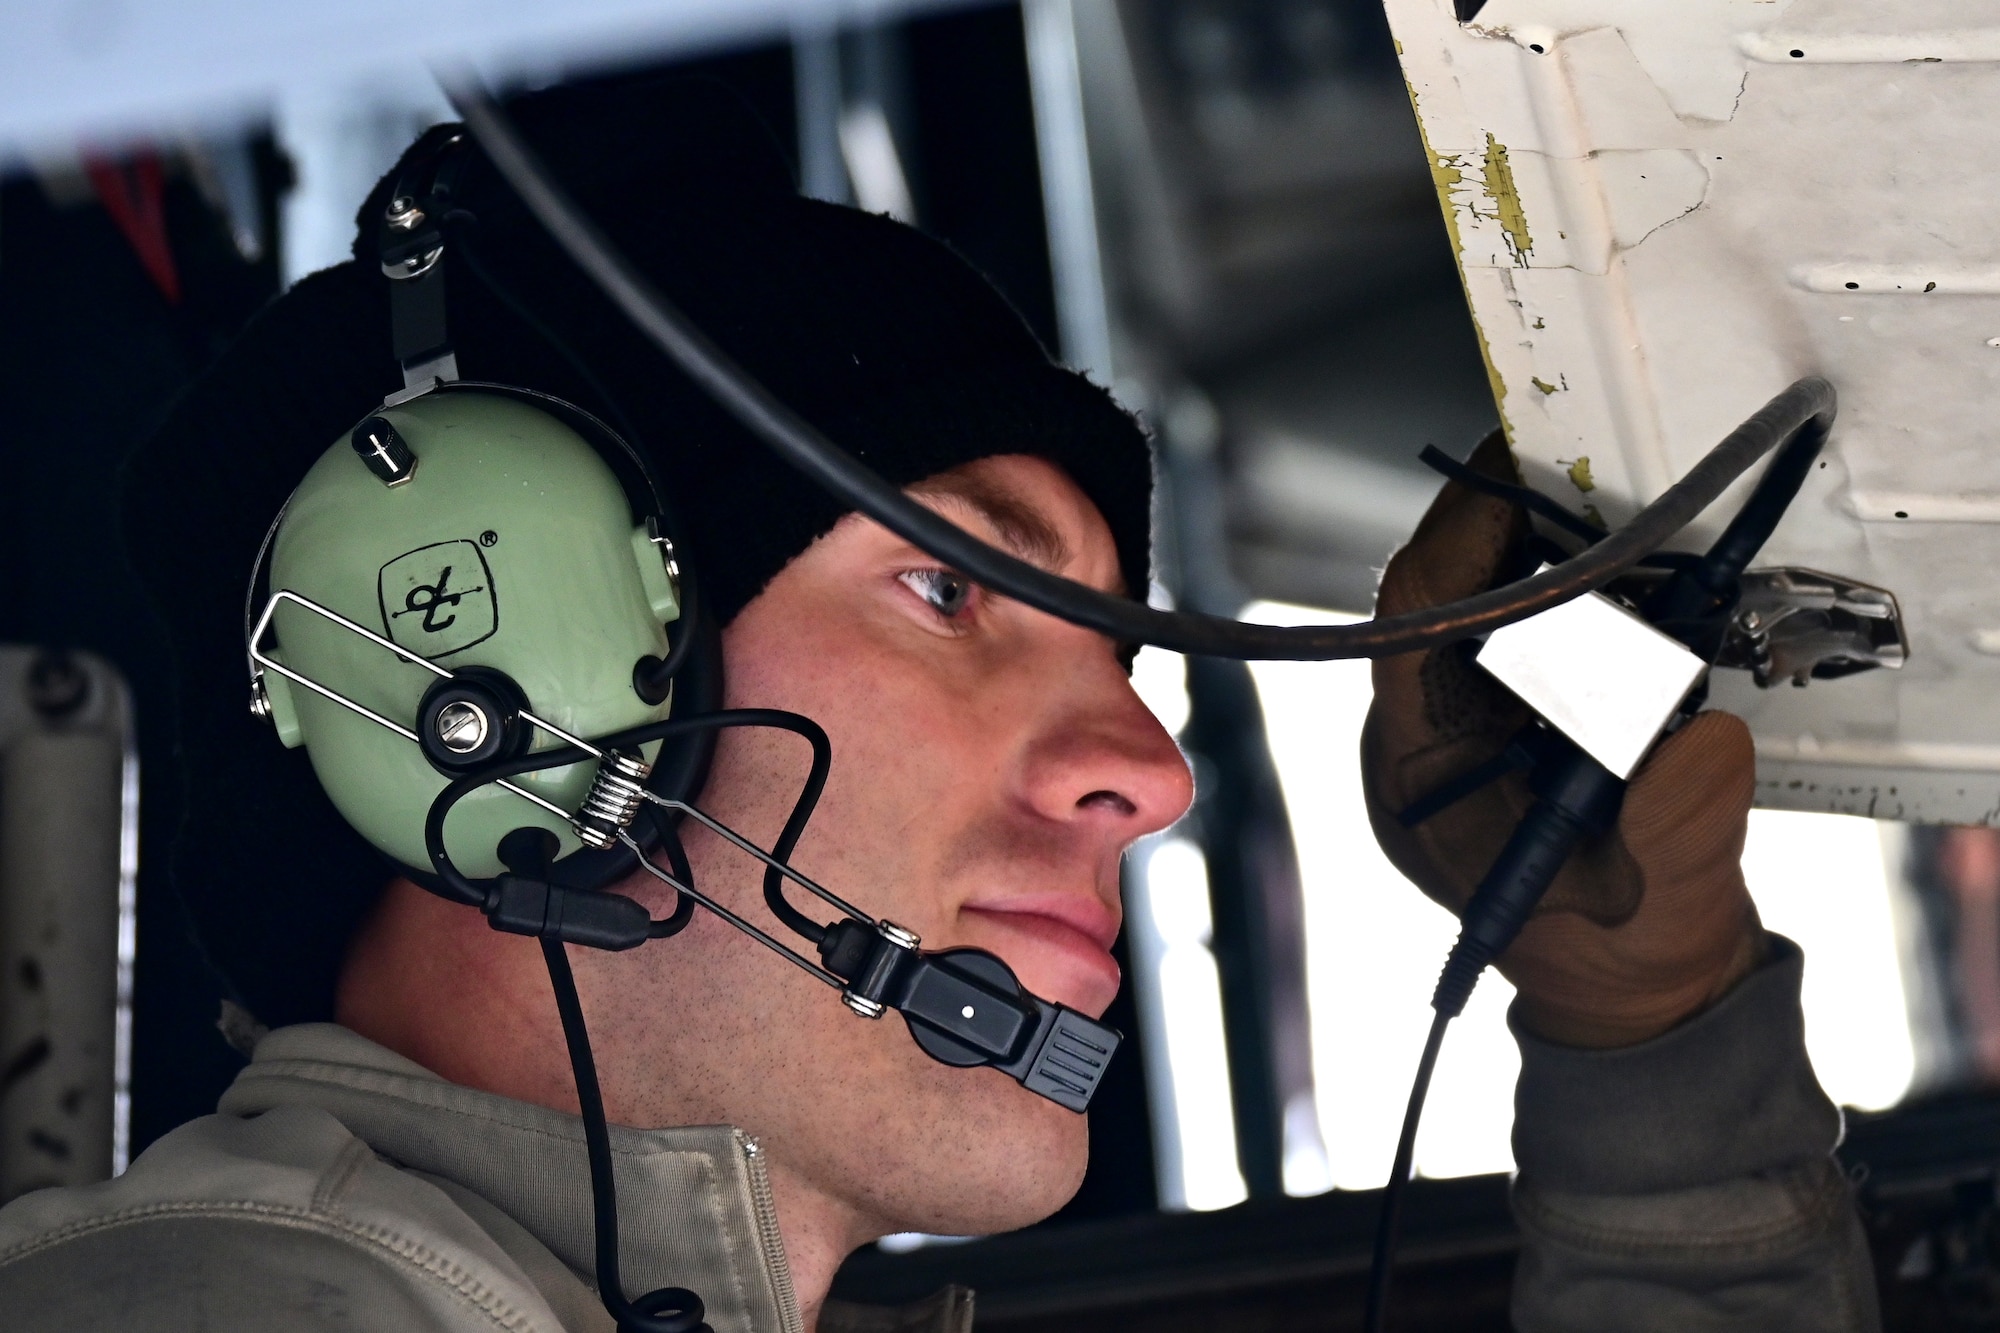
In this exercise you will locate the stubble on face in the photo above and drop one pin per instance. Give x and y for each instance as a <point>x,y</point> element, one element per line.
<point>989,768</point>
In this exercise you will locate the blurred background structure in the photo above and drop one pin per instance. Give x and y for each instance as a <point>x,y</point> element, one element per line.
<point>1222,209</point>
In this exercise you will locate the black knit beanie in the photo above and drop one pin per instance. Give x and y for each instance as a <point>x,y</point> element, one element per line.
<point>881,337</point>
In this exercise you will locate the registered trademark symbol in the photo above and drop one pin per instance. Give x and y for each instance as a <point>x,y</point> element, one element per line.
<point>488,537</point>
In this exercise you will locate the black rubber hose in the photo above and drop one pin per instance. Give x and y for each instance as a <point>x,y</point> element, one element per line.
<point>655,674</point>
<point>1437,460</point>
<point>1732,552</point>
<point>1125,620</point>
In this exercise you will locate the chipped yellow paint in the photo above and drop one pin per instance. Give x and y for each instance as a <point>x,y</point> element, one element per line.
<point>1541,384</point>
<point>1445,176</point>
<point>1579,474</point>
<point>1506,197</point>
<point>1595,519</point>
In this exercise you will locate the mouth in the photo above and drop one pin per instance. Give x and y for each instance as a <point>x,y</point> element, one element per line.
<point>1059,947</point>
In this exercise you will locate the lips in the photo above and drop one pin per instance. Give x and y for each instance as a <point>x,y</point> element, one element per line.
<point>1059,945</point>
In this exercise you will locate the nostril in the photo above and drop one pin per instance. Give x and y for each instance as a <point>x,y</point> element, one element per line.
<point>1107,800</point>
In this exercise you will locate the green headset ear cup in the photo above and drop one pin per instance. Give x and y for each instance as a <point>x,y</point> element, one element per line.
<point>679,770</point>
<point>510,548</point>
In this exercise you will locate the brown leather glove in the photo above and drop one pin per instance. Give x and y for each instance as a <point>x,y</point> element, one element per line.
<point>1645,925</point>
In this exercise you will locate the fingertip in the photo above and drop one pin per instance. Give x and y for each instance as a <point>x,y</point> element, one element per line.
<point>1710,764</point>
<point>1724,736</point>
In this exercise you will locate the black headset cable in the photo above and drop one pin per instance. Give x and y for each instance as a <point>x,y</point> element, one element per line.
<point>1576,798</point>
<point>455,885</point>
<point>666,1309</point>
<point>1807,402</point>
<point>1123,619</point>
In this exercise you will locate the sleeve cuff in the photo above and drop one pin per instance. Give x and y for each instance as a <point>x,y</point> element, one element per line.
<point>1726,1094</point>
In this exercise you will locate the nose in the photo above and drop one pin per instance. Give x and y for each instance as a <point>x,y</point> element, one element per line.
<point>1102,762</point>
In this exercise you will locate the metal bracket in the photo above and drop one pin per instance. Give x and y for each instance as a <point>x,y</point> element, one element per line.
<point>424,377</point>
<point>1597,673</point>
<point>1801,625</point>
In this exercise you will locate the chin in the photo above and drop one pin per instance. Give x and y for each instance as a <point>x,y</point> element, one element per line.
<point>1062,1142</point>
<point>1013,1159</point>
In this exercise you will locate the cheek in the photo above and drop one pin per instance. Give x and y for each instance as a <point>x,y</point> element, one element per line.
<point>919,755</point>
<point>896,712</point>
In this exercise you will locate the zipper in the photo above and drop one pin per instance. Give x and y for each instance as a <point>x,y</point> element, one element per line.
<point>773,1245</point>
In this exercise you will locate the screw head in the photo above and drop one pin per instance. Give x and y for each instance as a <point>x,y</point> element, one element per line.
<point>462,726</point>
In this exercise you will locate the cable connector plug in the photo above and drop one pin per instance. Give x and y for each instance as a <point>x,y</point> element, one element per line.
<point>524,905</point>
<point>1577,798</point>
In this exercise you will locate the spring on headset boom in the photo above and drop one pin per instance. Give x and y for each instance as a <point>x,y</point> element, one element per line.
<point>614,800</point>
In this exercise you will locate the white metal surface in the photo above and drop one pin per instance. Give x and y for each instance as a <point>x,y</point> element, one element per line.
<point>68,854</point>
<point>1664,213</point>
<point>1599,674</point>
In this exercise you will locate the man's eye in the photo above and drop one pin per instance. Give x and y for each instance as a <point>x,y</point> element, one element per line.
<point>946,591</point>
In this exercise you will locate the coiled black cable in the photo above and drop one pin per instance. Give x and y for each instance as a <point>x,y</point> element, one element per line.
<point>848,479</point>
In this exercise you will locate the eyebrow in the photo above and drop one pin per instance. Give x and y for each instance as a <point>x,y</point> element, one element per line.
<point>1022,527</point>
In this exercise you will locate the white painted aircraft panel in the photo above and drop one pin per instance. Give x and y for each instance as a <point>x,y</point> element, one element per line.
<point>1667,212</point>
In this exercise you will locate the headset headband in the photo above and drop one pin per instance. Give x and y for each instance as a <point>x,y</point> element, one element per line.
<point>410,241</point>
<point>412,246</point>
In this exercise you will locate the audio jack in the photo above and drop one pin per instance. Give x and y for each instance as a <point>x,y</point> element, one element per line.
<point>1576,796</point>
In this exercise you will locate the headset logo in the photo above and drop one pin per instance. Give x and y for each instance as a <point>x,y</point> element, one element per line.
<point>438,599</point>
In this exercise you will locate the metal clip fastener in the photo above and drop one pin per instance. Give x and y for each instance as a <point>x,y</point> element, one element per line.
<point>862,1005</point>
<point>1800,625</point>
<point>403,213</point>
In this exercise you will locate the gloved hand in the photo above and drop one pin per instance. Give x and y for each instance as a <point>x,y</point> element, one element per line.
<point>1645,925</point>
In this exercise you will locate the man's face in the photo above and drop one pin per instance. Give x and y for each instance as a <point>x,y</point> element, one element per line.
<point>990,765</point>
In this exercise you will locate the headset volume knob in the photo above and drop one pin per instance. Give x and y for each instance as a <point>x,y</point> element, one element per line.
<point>387,454</point>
